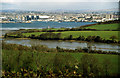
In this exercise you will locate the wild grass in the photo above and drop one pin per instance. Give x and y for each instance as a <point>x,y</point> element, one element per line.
<point>114,26</point>
<point>103,34</point>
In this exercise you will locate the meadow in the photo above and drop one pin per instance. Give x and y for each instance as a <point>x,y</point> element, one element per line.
<point>15,60</point>
<point>15,57</point>
<point>103,34</point>
<point>104,31</point>
<point>114,26</point>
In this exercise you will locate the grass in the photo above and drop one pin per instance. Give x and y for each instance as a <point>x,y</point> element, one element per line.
<point>101,58</point>
<point>103,34</point>
<point>114,26</point>
<point>47,59</point>
<point>34,33</point>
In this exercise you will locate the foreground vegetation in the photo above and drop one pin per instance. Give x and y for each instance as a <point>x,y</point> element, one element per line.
<point>40,61</point>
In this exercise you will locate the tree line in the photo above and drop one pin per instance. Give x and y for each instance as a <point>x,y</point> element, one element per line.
<point>58,36</point>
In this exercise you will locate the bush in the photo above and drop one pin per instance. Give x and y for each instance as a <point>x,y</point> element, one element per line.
<point>90,66</point>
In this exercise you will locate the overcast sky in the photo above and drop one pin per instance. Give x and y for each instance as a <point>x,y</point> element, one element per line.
<point>59,0</point>
<point>59,4</point>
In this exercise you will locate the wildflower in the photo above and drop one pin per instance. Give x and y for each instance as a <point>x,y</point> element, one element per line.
<point>76,67</point>
<point>74,72</point>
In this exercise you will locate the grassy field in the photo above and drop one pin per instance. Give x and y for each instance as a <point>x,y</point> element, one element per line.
<point>103,34</point>
<point>47,59</point>
<point>104,27</point>
<point>75,34</point>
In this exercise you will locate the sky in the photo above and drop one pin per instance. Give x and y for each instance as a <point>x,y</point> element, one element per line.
<point>39,5</point>
<point>11,1</point>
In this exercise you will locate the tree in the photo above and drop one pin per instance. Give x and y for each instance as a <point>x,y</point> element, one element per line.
<point>90,65</point>
<point>32,35</point>
<point>107,67</point>
<point>113,38</point>
<point>97,39</point>
<point>89,38</point>
<point>81,38</point>
<point>19,35</point>
<point>70,37</point>
<point>6,35</point>
<point>63,62</point>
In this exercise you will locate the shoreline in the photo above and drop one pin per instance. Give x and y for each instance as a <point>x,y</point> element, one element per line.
<point>64,40</point>
<point>8,22</point>
<point>22,31</point>
<point>57,40</point>
<point>108,49</point>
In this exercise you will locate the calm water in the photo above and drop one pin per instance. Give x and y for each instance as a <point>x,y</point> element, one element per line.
<point>40,25</point>
<point>64,44</point>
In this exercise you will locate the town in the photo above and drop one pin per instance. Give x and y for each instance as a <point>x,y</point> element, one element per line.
<point>27,17</point>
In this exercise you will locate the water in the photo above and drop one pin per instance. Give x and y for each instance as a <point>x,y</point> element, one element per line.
<point>40,25</point>
<point>63,44</point>
<point>53,44</point>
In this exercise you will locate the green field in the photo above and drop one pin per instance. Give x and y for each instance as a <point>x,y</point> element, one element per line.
<point>47,59</point>
<point>75,34</point>
<point>104,27</point>
<point>103,34</point>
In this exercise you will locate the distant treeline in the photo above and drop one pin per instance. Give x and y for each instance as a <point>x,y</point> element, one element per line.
<point>57,36</point>
<point>82,28</point>
<point>59,30</point>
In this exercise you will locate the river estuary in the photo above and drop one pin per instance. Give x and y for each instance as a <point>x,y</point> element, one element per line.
<point>53,44</point>
<point>64,44</point>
